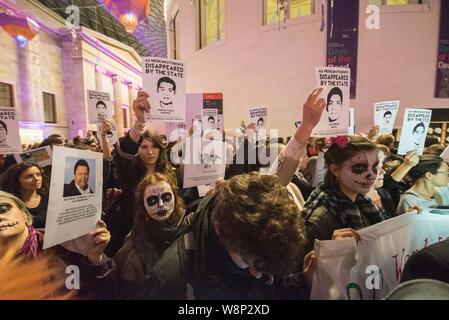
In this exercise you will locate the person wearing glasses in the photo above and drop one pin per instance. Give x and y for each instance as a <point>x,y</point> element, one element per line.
<point>430,188</point>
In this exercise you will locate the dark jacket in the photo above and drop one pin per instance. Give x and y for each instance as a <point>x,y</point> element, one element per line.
<point>197,266</point>
<point>429,263</point>
<point>71,190</point>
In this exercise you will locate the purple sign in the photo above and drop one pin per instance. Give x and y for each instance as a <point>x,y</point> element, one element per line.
<point>442,82</point>
<point>342,36</point>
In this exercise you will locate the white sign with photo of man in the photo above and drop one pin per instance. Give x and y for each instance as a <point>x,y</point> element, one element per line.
<point>100,106</point>
<point>208,164</point>
<point>74,205</point>
<point>258,116</point>
<point>209,125</point>
<point>164,81</point>
<point>414,130</point>
<point>385,115</point>
<point>335,118</point>
<point>9,131</point>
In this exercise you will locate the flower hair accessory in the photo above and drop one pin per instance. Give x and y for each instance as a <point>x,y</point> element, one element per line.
<point>341,141</point>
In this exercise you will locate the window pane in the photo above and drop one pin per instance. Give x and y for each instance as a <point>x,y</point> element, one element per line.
<point>49,108</point>
<point>211,20</point>
<point>271,14</point>
<point>300,8</point>
<point>6,95</point>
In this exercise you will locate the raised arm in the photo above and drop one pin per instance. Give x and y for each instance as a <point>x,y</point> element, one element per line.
<point>287,161</point>
<point>140,106</point>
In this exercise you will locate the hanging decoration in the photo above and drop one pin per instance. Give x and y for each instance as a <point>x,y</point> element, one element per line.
<point>284,8</point>
<point>128,12</point>
<point>19,26</point>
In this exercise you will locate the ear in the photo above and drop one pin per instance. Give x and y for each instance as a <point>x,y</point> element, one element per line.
<point>335,170</point>
<point>429,175</point>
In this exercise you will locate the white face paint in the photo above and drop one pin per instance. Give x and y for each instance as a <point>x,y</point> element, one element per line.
<point>159,201</point>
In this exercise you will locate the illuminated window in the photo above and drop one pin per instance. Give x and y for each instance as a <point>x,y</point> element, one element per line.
<point>211,21</point>
<point>49,108</point>
<point>125,110</point>
<point>6,95</point>
<point>296,8</point>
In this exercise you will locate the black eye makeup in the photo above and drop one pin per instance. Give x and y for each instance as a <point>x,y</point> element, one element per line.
<point>5,207</point>
<point>154,200</point>
<point>359,169</point>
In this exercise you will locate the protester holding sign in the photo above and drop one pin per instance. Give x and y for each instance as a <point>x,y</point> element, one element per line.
<point>19,238</point>
<point>25,181</point>
<point>139,152</point>
<point>340,202</point>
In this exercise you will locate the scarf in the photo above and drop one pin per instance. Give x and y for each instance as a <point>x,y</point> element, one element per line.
<point>151,239</point>
<point>357,215</point>
<point>32,248</point>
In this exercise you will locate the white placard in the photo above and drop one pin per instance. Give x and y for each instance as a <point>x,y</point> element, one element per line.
<point>9,131</point>
<point>100,106</point>
<point>414,130</point>
<point>385,115</point>
<point>164,81</point>
<point>335,118</point>
<point>75,195</point>
<point>320,170</point>
<point>208,165</point>
<point>39,156</point>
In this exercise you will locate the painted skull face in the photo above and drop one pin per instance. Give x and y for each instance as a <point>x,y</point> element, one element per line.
<point>159,201</point>
<point>13,221</point>
<point>359,173</point>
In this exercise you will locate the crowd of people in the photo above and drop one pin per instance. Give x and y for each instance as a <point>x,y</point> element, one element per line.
<point>251,237</point>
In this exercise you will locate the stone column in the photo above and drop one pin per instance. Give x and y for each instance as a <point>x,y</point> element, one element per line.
<point>117,96</point>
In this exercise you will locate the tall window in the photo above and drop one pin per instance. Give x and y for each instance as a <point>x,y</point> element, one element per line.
<point>49,107</point>
<point>211,21</point>
<point>125,116</point>
<point>6,95</point>
<point>295,9</point>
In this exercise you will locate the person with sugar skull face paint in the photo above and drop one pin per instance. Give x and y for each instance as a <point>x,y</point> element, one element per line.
<point>339,205</point>
<point>158,221</point>
<point>20,240</point>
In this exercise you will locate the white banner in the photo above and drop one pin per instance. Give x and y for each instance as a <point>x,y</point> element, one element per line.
<point>372,268</point>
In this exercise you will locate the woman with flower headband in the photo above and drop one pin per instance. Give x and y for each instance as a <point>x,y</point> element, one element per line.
<point>339,205</point>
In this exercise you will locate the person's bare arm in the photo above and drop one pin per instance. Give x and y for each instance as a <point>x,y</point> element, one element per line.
<point>411,159</point>
<point>140,106</point>
<point>107,150</point>
<point>287,161</point>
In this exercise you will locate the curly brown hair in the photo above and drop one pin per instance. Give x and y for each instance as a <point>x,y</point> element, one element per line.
<point>151,179</point>
<point>9,180</point>
<point>258,219</point>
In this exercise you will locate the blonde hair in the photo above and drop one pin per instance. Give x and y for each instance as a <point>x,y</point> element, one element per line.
<point>19,203</point>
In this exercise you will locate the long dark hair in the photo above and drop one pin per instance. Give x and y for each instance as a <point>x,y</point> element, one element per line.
<point>9,180</point>
<point>162,163</point>
<point>336,155</point>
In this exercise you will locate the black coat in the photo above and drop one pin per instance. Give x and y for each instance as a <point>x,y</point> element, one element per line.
<point>71,190</point>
